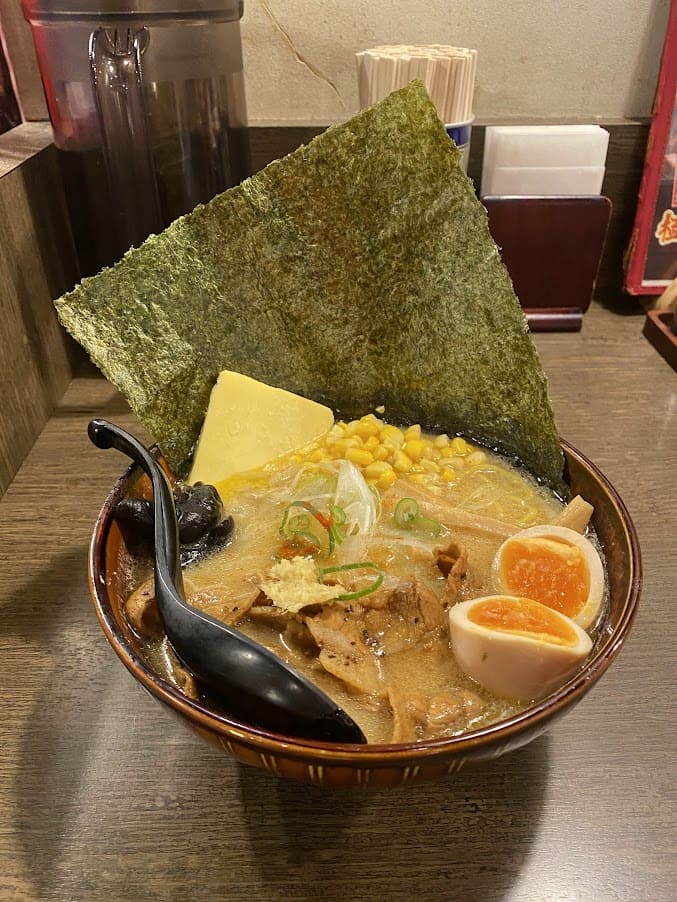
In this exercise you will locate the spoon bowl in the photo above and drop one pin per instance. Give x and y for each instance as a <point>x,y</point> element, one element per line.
<point>250,682</point>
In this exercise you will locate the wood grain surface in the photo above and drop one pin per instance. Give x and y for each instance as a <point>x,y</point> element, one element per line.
<point>104,797</point>
<point>37,264</point>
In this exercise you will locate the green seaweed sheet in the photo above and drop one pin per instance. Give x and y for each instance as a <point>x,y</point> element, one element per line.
<point>357,271</point>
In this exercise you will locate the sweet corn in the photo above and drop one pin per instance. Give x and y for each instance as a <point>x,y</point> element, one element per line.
<point>376,469</point>
<point>459,446</point>
<point>441,441</point>
<point>371,443</point>
<point>359,456</point>
<point>413,448</point>
<point>477,458</point>
<point>401,462</point>
<point>338,447</point>
<point>386,479</point>
<point>392,435</point>
<point>382,452</point>
<point>413,432</point>
<point>429,466</point>
<point>448,474</point>
<point>367,426</point>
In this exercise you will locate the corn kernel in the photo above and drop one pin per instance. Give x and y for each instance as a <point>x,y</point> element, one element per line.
<point>340,446</point>
<point>371,443</point>
<point>365,430</point>
<point>386,479</point>
<point>376,469</point>
<point>359,456</point>
<point>392,435</point>
<point>477,458</point>
<point>430,466</point>
<point>401,462</point>
<point>441,441</point>
<point>412,432</point>
<point>459,446</point>
<point>448,451</point>
<point>413,448</point>
<point>382,452</point>
<point>448,474</point>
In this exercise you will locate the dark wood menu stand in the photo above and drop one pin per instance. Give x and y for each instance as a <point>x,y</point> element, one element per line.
<point>551,247</point>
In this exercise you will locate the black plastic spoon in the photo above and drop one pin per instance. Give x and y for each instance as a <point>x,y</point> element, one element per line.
<point>252,683</point>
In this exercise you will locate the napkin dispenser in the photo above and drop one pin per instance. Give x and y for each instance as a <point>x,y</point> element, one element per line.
<point>542,186</point>
<point>544,159</point>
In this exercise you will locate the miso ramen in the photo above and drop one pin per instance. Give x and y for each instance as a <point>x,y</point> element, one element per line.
<point>347,557</point>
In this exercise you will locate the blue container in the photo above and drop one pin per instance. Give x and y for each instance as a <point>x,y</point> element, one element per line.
<point>459,132</point>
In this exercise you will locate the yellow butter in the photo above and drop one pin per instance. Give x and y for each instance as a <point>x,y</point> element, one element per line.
<point>249,424</point>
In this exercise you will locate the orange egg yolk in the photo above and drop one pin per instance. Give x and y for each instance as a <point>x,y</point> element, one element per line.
<point>547,570</point>
<point>523,617</point>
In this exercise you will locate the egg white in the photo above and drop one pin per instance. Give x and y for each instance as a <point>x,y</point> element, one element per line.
<point>590,610</point>
<point>512,665</point>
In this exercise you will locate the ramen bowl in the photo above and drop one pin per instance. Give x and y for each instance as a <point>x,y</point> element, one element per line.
<point>376,765</point>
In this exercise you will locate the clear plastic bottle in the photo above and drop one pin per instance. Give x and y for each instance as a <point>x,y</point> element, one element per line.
<point>147,105</point>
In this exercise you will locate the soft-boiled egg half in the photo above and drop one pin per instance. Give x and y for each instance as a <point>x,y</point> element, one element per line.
<point>556,566</point>
<point>516,647</point>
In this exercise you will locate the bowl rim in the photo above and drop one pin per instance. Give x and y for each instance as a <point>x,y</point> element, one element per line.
<point>229,729</point>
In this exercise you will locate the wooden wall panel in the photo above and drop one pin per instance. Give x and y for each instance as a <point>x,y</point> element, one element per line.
<point>37,264</point>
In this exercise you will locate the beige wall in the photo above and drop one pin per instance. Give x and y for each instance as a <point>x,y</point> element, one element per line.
<point>574,59</point>
<point>551,59</point>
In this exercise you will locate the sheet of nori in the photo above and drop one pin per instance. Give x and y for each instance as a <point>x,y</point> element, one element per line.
<point>357,271</point>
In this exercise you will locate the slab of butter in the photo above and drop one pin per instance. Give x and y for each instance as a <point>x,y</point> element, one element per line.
<point>249,424</point>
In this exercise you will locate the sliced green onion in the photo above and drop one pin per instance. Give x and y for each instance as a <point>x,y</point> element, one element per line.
<point>294,545</point>
<point>298,522</point>
<point>338,523</point>
<point>338,514</point>
<point>406,516</point>
<point>359,565</point>
<point>284,528</point>
<point>427,525</point>
<point>406,511</point>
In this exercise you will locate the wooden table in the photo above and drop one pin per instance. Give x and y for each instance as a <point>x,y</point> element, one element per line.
<point>104,797</point>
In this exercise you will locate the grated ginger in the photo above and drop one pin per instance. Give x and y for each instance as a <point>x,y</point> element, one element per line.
<point>295,584</point>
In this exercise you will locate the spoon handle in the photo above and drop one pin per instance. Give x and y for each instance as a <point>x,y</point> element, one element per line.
<point>167,557</point>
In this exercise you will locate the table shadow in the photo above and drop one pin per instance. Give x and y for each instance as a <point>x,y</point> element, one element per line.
<point>473,830</point>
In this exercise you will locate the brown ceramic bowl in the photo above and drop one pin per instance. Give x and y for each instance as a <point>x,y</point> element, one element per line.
<point>379,765</point>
